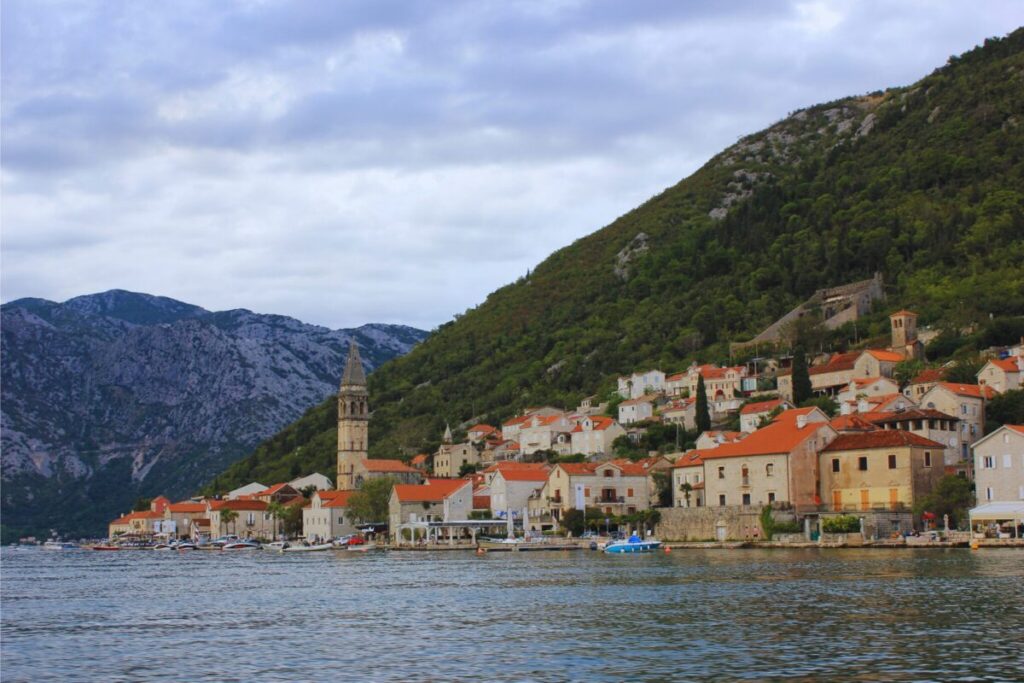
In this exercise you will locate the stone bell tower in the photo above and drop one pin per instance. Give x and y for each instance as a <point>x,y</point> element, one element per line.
<point>353,420</point>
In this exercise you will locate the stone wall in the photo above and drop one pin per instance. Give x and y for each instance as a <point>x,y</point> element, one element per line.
<point>729,522</point>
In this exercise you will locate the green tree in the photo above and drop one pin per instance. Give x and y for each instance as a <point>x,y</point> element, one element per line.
<point>141,504</point>
<point>767,522</point>
<point>277,511</point>
<point>292,521</point>
<point>703,418</point>
<point>965,371</point>
<point>952,496</point>
<point>1005,409</point>
<point>663,488</point>
<point>228,517</point>
<point>826,403</point>
<point>468,468</point>
<point>802,389</point>
<point>370,503</point>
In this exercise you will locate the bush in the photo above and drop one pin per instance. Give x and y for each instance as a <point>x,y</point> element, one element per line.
<point>843,524</point>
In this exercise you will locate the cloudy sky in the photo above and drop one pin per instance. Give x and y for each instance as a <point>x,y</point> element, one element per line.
<point>352,162</point>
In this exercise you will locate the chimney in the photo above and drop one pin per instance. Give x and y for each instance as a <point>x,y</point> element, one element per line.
<point>801,421</point>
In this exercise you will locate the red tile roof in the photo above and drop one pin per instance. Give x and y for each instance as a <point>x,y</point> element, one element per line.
<point>781,436</point>
<point>509,465</point>
<point>903,312</point>
<point>1006,364</point>
<point>761,407</point>
<point>929,376</point>
<point>486,429</point>
<point>599,424</point>
<point>334,499</point>
<point>575,469</point>
<point>386,465</point>
<point>420,459</point>
<point>640,468</point>
<point>886,356</point>
<point>842,423</point>
<point>271,490</point>
<point>187,506</point>
<point>1017,428</point>
<point>524,475</point>
<point>690,459</point>
<point>143,514</point>
<point>433,492</point>
<point>515,421</point>
<point>970,390</point>
<point>882,438</point>
<point>909,414</point>
<point>238,504</point>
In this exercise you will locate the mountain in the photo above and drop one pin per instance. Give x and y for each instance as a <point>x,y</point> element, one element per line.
<point>113,396</point>
<point>924,184</point>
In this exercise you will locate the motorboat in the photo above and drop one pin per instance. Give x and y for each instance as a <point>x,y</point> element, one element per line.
<point>185,545</point>
<point>164,546</point>
<point>349,541</point>
<point>365,547</point>
<point>306,548</point>
<point>59,545</point>
<point>242,545</point>
<point>633,544</point>
<point>276,545</point>
<point>106,546</point>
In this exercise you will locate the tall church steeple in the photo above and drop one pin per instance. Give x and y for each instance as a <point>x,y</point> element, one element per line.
<point>353,419</point>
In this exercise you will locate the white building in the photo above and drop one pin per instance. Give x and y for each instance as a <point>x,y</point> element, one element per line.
<point>999,465</point>
<point>327,516</point>
<point>641,383</point>
<point>635,410</point>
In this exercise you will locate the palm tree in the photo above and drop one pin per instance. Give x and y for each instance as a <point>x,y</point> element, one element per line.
<point>229,517</point>
<point>277,511</point>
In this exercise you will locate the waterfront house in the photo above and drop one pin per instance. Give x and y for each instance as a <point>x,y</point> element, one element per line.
<point>252,519</point>
<point>1002,374</point>
<point>777,463</point>
<point>688,480</point>
<point>883,470</point>
<point>182,515</point>
<point>594,435</point>
<point>511,488</point>
<point>140,523</point>
<point>753,414</point>
<point>616,488</point>
<point>999,465</point>
<point>438,500</point>
<point>278,493</point>
<point>965,402</point>
<point>327,517</point>
<point>927,422</point>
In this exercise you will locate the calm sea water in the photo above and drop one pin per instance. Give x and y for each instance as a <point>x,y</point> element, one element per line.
<point>877,615</point>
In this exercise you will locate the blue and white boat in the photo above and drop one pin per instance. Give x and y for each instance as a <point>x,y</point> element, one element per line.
<point>633,544</point>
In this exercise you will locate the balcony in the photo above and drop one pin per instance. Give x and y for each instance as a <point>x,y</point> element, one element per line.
<point>610,500</point>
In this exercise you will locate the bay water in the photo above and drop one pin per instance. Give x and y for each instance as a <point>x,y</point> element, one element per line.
<point>809,615</point>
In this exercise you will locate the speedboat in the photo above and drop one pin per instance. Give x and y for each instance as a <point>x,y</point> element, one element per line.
<point>633,544</point>
<point>185,545</point>
<point>242,545</point>
<point>276,545</point>
<point>366,547</point>
<point>306,548</point>
<point>164,546</point>
<point>106,546</point>
<point>59,545</point>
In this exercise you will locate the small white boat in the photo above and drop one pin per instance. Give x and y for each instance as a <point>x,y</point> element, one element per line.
<point>164,546</point>
<point>59,545</point>
<point>306,548</point>
<point>186,545</point>
<point>366,547</point>
<point>633,544</point>
<point>242,545</point>
<point>276,545</point>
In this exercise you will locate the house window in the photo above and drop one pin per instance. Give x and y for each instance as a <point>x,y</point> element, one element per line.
<point>721,499</point>
<point>892,462</point>
<point>629,492</point>
<point>341,519</point>
<point>608,473</point>
<point>1007,463</point>
<point>769,470</point>
<point>988,462</point>
<point>771,496</point>
<point>927,459</point>
<point>746,499</point>
<point>862,463</point>
<point>721,474</point>
<point>586,492</point>
<point>988,493</point>
<point>835,464</point>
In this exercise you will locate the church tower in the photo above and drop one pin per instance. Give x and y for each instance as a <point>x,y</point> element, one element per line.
<point>353,420</point>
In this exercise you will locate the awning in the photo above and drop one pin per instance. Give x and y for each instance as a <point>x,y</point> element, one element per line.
<point>999,511</point>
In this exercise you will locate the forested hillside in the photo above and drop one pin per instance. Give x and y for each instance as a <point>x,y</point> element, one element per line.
<point>922,183</point>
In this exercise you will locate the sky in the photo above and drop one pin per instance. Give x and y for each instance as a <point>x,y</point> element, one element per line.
<point>354,162</point>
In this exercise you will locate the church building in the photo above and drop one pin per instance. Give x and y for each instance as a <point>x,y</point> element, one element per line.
<point>354,465</point>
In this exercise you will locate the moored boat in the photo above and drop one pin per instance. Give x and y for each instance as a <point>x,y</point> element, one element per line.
<point>306,548</point>
<point>106,546</point>
<point>242,545</point>
<point>59,545</point>
<point>633,544</point>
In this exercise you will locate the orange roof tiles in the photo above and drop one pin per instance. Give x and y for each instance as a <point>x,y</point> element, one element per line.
<point>142,514</point>
<point>929,376</point>
<point>515,421</point>
<point>781,436</point>
<point>852,422</point>
<point>271,490</point>
<point>187,506</point>
<point>881,438</point>
<point>334,499</point>
<point>886,356</point>
<point>908,415</point>
<point>386,465</point>
<point>761,407</point>
<point>238,504</point>
<point>486,429</point>
<point>433,492</point>
<point>903,312</point>
<point>970,390</point>
<point>1017,428</point>
<point>1006,364</point>
<point>690,459</point>
<point>599,424</point>
<point>524,475</point>
<point>420,459</point>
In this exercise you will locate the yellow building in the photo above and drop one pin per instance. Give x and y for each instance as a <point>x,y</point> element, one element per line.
<point>879,470</point>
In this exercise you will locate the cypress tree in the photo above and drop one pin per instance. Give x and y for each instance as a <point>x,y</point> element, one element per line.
<point>703,417</point>
<point>801,377</point>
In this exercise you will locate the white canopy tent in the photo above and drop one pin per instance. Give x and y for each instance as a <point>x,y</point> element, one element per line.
<point>1002,511</point>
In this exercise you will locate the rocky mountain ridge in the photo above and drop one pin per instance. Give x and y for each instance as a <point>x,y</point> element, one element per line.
<point>115,395</point>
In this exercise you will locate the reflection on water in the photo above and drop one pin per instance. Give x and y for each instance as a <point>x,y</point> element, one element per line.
<point>692,615</point>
